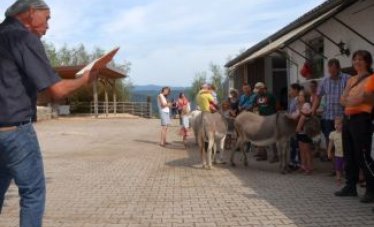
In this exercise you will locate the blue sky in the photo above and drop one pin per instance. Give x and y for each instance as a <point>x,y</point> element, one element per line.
<point>169,41</point>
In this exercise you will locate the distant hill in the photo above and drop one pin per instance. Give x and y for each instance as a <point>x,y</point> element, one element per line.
<point>157,88</point>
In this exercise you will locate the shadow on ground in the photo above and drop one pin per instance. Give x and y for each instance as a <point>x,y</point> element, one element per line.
<point>303,199</point>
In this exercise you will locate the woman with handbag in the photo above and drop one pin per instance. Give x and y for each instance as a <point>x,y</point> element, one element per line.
<point>357,131</point>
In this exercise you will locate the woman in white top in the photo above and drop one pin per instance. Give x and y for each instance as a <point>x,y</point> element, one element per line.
<point>164,111</point>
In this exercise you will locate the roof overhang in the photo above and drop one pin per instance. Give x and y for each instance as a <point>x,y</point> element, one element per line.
<point>281,42</point>
<point>109,72</point>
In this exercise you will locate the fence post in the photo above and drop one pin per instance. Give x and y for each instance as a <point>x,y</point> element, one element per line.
<point>96,99</point>
<point>149,106</point>
<point>114,98</point>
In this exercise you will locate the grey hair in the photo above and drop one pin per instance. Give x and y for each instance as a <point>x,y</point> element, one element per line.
<point>21,6</point>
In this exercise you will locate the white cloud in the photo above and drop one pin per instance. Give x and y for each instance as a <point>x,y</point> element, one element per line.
<point>168,41</point>
<point>181,65</point>
<point>128,20</point>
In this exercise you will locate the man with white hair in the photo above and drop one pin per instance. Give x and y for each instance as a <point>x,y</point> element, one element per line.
<point>24,71</point>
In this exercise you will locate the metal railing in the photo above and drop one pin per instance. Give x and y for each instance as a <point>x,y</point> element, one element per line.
<point>141,109</point>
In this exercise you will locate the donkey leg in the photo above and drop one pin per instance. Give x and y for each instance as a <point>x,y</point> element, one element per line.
<point>196,136</point>
<point>214,153</point>
<point>222,149</point>
<point>281,157</point>
<point>244,151</point>
<point>210,151</point>
<point>202,152</point>
<point>237,146</point>
<point>220,145</point>
<point>202,156</point>
<point>286,150</point>
<point>281,146</point>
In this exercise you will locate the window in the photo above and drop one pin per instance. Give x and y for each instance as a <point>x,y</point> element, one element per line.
<point>314,53</point>
<point>279,62</point>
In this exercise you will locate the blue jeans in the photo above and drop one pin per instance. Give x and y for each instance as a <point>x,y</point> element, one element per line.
<point>21,160</point>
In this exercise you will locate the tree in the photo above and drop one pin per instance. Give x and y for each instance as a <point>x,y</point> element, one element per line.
<point>199,80</point>
<point>217,80</point>
<point>126,88</point>
<point>80,56</point>
<point>96,53</point>
<point>66,56</point>
<point>51,53</point>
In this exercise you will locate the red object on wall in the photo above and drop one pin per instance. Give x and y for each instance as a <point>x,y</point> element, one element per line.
<point>306,70</point>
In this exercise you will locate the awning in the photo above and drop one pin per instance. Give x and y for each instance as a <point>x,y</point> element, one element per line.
<point>283,40</point>
<point>68,72</point>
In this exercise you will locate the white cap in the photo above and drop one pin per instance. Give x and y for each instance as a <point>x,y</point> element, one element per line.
<point>258,86</point>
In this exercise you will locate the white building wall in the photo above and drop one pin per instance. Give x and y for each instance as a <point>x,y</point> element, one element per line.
<point>359,16</point>
<point>296,61</point>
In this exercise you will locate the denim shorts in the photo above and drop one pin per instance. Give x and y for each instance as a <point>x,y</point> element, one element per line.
<point>185,122</point>
<point>165,118</point>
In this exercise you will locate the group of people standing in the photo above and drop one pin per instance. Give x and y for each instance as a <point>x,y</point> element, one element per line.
<point>258,100</point>
<point>344,103</point>
<point>346,123</point>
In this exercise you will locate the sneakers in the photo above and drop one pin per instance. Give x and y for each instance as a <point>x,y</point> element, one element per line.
<point>367,198</point>
<point>346,191</point>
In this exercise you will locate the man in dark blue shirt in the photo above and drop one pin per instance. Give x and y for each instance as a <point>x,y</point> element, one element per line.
<point>24,71</point>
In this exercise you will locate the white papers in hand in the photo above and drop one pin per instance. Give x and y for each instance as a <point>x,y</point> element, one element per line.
<point>99,63</point>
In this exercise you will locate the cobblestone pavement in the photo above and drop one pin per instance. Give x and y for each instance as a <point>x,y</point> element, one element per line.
<point>112,173</point>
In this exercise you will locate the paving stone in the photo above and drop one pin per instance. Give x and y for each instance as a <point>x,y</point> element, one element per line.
<point>112,173</point>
